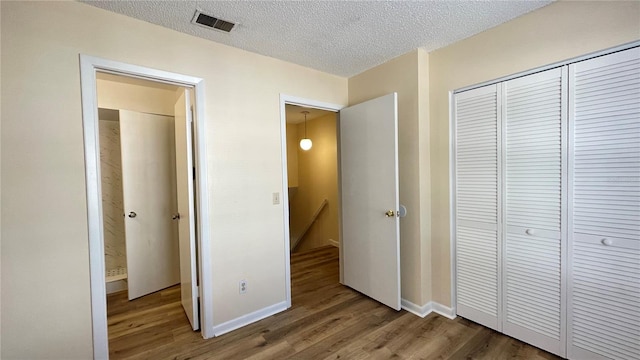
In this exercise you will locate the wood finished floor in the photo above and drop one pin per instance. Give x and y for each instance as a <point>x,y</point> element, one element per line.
<point>327,321</point>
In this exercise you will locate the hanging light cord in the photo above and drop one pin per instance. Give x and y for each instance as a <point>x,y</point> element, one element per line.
<point>305,125</point>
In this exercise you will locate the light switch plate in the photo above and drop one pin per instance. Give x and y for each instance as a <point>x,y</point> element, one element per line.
<point>276,198</point>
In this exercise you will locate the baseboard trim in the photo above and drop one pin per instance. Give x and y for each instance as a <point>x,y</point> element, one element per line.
<point>427,309</point>
<point>248,318</point>
<point>443,310</point>
<point>421,311</point>
<point>334,243</point>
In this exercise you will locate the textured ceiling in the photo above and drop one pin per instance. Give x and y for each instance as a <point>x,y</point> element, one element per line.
<point>338,37</point>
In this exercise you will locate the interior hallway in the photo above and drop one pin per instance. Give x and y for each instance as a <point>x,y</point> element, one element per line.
<point>327,321</point>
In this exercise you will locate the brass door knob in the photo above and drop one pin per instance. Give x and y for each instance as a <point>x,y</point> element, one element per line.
<point>390,213</point>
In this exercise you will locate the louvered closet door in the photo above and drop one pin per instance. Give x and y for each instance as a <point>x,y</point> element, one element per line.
<point>476,204</point>
<point>604,226</point>
<point>532,297</point>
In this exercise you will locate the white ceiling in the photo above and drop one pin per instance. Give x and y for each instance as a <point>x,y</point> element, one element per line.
<point>338,37</point>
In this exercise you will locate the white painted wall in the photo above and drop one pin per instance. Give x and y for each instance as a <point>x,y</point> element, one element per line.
<point>45,265</point>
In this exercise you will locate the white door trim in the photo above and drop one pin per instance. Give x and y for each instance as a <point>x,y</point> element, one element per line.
<point>89,65</point>
<point>293,100</point>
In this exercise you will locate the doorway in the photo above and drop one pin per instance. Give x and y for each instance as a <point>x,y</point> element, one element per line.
<point>147,187</point>
<point>90,67</point>
<point>138,178</point>
<point>286,100</point>
<point>368,193</point>
<point>312,178</point>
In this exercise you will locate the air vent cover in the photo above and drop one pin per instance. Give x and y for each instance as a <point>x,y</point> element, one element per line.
<point>209,21</point>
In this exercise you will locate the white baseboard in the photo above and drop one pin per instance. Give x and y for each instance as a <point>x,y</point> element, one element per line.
<point>249,318</point>
<point>427,309</point>
<point>443,310</point>
<point>421,311</point>
<point>334,243</point>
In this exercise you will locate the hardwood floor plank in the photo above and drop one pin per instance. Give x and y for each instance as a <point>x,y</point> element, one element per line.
<point>327,321</point>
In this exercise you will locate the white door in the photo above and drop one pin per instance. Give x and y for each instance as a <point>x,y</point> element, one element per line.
<point>148,185</point>
<point>477,205</point>
<point>535,161</point>
<point>604,222</point>
<point>186,213</point>
<point>369,180</point>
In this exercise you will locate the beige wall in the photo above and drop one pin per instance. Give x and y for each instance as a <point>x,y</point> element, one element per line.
<point>122,93</point>
<point>556,32</point>
<point>292,155</point>
<point>318,180</point>
<point>45,264</point>
<point>402,75</point>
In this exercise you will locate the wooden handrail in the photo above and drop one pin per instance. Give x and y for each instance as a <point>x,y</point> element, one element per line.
<point>296,242</point>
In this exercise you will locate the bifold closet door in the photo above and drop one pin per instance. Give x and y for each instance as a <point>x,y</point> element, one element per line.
<point>534,163</point>
<point>604,226</point>
<point>477,204</point>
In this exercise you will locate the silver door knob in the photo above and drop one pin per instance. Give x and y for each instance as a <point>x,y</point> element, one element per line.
<point>176,216</point>
<point>132,214</point>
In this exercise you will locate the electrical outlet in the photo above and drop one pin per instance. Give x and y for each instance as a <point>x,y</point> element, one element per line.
<point>243,286</point>
<point>276,198</point>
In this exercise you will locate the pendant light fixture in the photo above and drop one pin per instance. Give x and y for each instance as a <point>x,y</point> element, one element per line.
<point>305,143</point>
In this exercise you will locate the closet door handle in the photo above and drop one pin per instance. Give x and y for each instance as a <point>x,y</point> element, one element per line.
<point>529,231</point>
<point>132,214</point>
<point>606,242</point>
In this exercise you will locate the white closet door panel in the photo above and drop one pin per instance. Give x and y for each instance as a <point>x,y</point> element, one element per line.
<point>538,146</point>
<point>604,227</point>
<point>477,205</point>
<point>533,142</point>
<point>601,279</point>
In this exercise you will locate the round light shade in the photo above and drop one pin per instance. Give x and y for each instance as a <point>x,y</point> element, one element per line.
<point>305,144</point>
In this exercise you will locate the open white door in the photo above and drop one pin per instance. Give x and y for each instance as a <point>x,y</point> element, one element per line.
<point>370,199</point>
<point>148,183</point>
<point>186,212</point>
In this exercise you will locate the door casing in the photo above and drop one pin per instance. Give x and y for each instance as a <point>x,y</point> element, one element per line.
<point>89,66</point>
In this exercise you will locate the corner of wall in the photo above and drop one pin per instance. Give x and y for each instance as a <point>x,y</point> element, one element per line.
<point>424,157</point>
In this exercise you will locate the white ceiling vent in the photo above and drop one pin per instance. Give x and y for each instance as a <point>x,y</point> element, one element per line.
<point>202,19</point>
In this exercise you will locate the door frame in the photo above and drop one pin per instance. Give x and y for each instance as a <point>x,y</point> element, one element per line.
<point>294,100</point>
<point>89,66</point>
